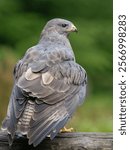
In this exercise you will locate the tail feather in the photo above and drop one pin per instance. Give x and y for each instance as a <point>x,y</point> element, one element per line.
<point>24,121</point>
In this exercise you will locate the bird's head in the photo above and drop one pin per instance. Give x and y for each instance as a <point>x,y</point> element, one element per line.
<point>61,26</point>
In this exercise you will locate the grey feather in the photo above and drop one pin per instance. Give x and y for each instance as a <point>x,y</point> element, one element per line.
<point>49,85</point>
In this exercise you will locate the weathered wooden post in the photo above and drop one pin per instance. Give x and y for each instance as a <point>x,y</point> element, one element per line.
<point>64,141</point>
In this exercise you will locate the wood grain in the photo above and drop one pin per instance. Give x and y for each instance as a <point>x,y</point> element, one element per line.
<point>64,141</point>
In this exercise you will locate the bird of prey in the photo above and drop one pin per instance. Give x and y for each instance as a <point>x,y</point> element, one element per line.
<point>48,86</point>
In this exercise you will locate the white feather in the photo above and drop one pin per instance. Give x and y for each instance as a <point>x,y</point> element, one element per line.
<point>29,75</point>
<point>47,78</point>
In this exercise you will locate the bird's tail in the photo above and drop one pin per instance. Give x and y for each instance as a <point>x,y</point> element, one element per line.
<point>24,121</point>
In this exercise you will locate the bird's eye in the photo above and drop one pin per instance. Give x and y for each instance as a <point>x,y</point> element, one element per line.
<point>64,25</point>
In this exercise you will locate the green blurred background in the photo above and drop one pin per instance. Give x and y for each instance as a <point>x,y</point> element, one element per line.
<point>21,22</point>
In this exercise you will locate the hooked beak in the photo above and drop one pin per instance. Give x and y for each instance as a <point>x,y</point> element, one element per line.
<point>72,29</point>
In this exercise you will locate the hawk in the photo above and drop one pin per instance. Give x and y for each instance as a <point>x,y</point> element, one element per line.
<point>48,86</point>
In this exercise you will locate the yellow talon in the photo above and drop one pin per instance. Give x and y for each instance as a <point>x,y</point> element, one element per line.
<point>67,130</point>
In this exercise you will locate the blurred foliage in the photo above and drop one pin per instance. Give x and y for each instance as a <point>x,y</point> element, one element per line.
<point>21,24</point>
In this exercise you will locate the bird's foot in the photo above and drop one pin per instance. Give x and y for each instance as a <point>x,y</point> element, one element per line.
<point>63,130</point>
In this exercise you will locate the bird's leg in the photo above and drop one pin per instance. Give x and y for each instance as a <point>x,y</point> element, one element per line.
<point>66,130</point>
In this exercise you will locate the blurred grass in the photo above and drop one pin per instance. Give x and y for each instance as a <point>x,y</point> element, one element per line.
<point>95,115</point>
<point>7,61</point>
